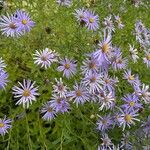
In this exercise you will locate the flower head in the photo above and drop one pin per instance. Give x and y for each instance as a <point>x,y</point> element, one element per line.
<point>45,58</point>
<point>2,64</point>
<point>3,79</point>
<point>146,59</point>
<point>5,124</point>
<point>80,14</point>
<point>119,22</point>
<point>64,2</point>
<point>26,93</point>
<point>108,23</point>
<point>68,67</point>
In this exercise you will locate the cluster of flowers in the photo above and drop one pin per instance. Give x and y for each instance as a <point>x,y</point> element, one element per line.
<point>96,85</point>
<point>16,24</point>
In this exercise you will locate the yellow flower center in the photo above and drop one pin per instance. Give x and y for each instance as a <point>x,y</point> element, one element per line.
<point>26,93</point>
<point>105,48</point>
<point>44,58</point>
<point>67,66</point>
<point>132,103</point>
<point>60,87</point>
<point>1,125</point>
<point>78,93</point>
<point>128,118</point>
<point>12,26</point>
<point>104,122</point>
<point>148,56</point>
<point>24,22</point>
<point>93,79</point>
<point>131,77</point>
<point>91,20</point>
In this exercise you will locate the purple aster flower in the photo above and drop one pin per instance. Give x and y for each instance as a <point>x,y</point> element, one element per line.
<point>146,59</point>
<point>106,100</point>
<point>8,26</point>
<point>45,58</point>
<point>93,81</point>
<point>104,123</point>
<point>79,95</point>
<point>127,118</point>
<point>119,22</point>
<point>2,64</point>
<point>23,21</point>
<point>59,88</point>
<point>90,65</point>
<point>64,2</point>
<point>26,93</point>
<point>48,111</point>
<point>80,14</point>
<point>3,79</point>
<point>132,79</point>
<point>146,126</point>
<point>118,62</point>
<point>59,104</point>
<point>108,23</point>
<point>103,53</point>
<point>91,20</point>
<point>131,102</point>
<point>5,125</point>
<point>68,67</point>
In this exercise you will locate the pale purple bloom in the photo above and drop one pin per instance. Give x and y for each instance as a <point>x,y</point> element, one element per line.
<point>93,81</point>
<point>108,23</point>
<point>127,118</point>
<point>90,65</point>
<point>146,59</point>
<point>133,53</point>
<point>59,88</point>
<point>3,79</point>
<point>48,112</point>
<point>23,21</point>
<point>91,20</point>
<point>132,102</point>
<point>64,2</point>
<point>2,64</point>
<point>104,123</point>
<point>45,58</point>
<point>80,14</point>
<point>26,93</point>
<point>118,63</point>
<point>68,67</point>
<point>5,124</point>
<point>119,22</point>
<point>131,78</point>
<point>102,54</point>
<point>146,126</point>
<point>79,95</point>
<point>59,104</point>
<point>8,26</point>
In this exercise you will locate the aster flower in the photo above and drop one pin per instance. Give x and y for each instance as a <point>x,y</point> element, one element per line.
<point>3,79</point>
<point>131,102</point>
<point>106,143</point>
<point>80,14</point>
<point>45,58</point>
<point>108,23</point>
<point>104,123</point>
<point>59,88</point>
<point>127,118</point>
<point>8,26</point>
<point>91,20</point>
<point>64,2</point>
<point>104,50</point>
<point>106,100</point>
<point>131,78</point>
<point>93,81</point>
<point>79,95</point>
<point>23,21</point>
<point>119,22</point>
<point>2,64</point>
<point>146,126</point>
<point>133,53</point>
<point>48,111</point>
<point>90,65</point>
<point>118,62</point>
<point>5,124</point>
<point>146,59</point>
<point>59,104</point>
<point>26,93</point>
<point>68,67</point>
